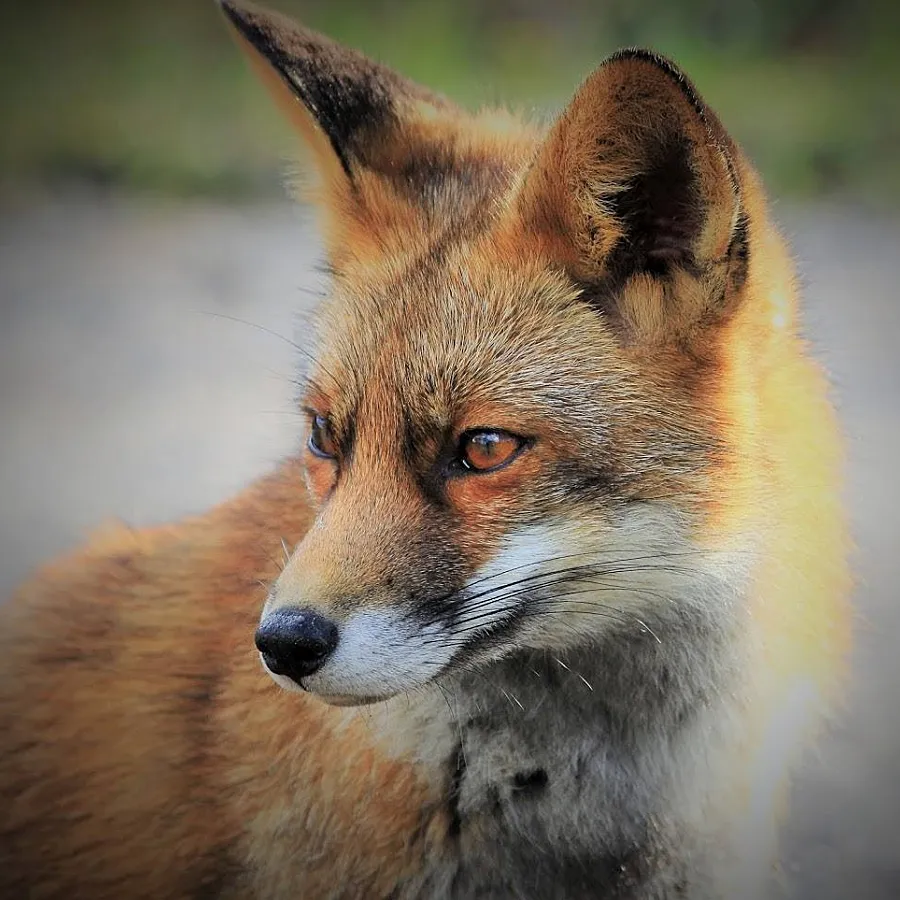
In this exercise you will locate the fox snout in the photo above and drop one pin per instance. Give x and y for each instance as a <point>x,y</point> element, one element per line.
<point>295,643</point>
<point>353,620</point>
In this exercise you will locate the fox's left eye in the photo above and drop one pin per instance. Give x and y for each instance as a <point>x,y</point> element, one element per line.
<point>486,450</point>
<point>321,439</point>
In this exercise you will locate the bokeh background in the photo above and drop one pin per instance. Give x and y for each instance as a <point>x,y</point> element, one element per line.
<point>150,93</point>
<point>152,276</point>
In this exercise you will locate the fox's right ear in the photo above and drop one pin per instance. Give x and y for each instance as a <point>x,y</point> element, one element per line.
<point>379,141</point>
<point>637,193</point>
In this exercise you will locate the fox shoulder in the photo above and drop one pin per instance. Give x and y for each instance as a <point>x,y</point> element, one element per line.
<point>111,662</point>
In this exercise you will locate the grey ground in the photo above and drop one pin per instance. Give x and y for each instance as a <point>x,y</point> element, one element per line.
<point>126,391</point>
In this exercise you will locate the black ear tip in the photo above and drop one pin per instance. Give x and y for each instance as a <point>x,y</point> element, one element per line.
<point>645,54</point>
<point>230,9</point>
<point>237,12</point>
<point>255,23</point>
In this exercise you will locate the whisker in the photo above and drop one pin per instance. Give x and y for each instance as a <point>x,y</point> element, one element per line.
<point>589,610</point>
<point>577,674</point>
<point>570,573</point>
<point>272,559</point>
<point>315,293</point>
<point>552,559</point>
<point>460,636</point>
<point>512,697</point>
<point>472,623</point>
<point>301,350</point>
<point>256,325</point>
<point>575,577</point>
<point>619,567</point>
<point>470,670</point>
<point>292,413</point>
<point>643,624</point>
<point>477,612</point>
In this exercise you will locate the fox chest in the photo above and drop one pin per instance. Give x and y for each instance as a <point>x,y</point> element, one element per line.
<point>521,820</point>
<point>504,815</point>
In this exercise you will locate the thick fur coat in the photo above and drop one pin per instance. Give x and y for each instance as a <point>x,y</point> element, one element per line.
<point>569,519</point>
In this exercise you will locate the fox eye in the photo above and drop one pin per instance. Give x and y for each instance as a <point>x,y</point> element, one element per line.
<point>321,440</point>
<point>486,450</point>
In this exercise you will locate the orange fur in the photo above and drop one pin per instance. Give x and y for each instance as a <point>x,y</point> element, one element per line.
<point>485,277</point>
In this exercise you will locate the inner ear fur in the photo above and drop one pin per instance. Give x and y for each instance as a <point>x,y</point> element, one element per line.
<point>636,192</point>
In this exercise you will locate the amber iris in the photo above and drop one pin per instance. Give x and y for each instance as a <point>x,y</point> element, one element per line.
<point>484,451</point>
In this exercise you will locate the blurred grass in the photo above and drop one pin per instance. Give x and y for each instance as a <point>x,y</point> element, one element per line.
<point>154,95</point>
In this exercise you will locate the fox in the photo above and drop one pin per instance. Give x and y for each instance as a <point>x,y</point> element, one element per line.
<point>552,595</point>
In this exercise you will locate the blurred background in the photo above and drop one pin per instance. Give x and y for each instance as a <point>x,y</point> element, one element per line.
<point>152,276</point>
<point>150,94</point>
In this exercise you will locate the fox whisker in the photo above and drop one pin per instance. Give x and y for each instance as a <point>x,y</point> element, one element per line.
<point>293,344</point>
<point>578,674</point>
<point>579,572</point>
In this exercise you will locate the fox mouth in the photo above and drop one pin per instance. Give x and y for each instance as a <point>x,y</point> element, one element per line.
<point>332,699</point>
<point>345,700</point>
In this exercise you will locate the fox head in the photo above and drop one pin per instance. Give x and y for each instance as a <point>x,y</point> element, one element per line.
<point>531,416</point>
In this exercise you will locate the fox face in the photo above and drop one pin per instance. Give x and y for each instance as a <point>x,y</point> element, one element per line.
<point>520,417</point>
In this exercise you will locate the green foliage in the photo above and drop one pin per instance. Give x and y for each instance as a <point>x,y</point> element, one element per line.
<point>153,93</point>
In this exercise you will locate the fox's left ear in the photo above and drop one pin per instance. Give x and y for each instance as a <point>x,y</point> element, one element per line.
<point>635,191</point>
<point>390,155</point>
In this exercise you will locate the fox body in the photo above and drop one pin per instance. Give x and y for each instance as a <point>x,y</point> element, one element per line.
<point>565,581</point>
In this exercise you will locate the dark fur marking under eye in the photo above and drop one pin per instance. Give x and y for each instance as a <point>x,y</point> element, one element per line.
<point>428,473</point>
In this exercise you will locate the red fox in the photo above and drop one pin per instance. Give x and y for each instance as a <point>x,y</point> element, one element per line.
<point>565,581</point>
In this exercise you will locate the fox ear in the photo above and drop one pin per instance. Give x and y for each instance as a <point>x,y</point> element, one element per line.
<point>346,101</point>
<point>638,178</point>
<point>384,147</point>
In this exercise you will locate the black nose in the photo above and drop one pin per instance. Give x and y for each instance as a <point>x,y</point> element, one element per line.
<point>296,642</point>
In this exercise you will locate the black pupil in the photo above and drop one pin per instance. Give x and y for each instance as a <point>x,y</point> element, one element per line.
<point>486,442</point>
<point>321,436</point>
